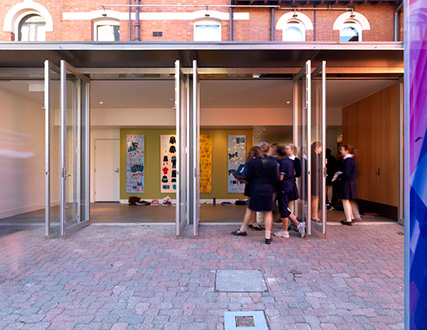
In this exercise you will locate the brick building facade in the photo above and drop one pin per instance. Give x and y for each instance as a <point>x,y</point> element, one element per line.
<point>162,21</point>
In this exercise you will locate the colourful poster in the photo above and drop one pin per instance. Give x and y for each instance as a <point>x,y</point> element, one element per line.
<point>236,156</point>
<point>205,164</point>
<point>135,163</point>
<point>168,163</point>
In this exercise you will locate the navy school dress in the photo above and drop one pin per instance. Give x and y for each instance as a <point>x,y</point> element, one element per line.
<point>298,171</point>
<point>286,187</point>
<point>262,177</point>
<point>348,182</point>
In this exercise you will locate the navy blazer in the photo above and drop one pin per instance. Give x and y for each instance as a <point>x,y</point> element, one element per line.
<point>263,176</point>
<point>286,167</point>
<point>349,170</point>
<point>297,167</point>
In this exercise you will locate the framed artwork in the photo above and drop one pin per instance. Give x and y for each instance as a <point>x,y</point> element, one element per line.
<point>168,157</point>
<point>135,153</point>
<point>236,156</point>
<point>205,164</point>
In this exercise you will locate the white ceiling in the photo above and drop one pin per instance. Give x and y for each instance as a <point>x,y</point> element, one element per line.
<point>254,93</point>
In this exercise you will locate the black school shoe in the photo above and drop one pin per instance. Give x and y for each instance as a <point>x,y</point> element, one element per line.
<point>239,233</point>
<point>347,223</point>
<point>257,227</point>
<point>268,240</point>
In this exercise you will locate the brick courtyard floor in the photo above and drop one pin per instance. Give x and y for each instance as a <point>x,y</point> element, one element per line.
<point>140,277</point>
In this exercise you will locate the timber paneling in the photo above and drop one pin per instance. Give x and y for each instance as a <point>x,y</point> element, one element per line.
<point>371,126</point>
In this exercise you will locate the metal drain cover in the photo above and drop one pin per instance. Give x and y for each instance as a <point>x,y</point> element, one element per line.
<point>240,281</point>
<point>254,320</point>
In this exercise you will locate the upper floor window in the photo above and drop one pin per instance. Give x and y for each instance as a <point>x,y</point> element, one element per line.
<point>350,33</point>
<point>28,21</point>
<point>351,26</point>
<point>207,30</point>
<point>107,30</point>
<point>32,28</point>
<point>294,26</point>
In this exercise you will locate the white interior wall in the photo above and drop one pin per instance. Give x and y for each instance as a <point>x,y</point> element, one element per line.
<point>22,169</point>
<point>106,133</point>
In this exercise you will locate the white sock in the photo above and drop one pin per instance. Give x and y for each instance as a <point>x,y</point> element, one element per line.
<point>268,234</point>
<point>243,228</point>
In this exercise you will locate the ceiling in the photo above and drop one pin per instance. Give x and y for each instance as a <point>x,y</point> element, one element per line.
<point>251,93</point>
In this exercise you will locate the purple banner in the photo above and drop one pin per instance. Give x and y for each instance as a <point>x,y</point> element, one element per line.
<point>416,84</point>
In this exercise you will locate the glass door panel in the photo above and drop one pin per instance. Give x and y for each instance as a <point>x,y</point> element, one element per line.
<point>301,111</point>
<point>52,149</point>
<point>182,194</point>
<point>74,149</point>
<point>318,150</point>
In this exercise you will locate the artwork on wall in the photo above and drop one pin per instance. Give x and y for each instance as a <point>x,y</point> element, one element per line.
<point>236,156</point>
<point>135,154</point>
<point>168,158</point>
<point>205,164</point>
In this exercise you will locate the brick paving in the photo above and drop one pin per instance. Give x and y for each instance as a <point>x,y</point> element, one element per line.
<point>142,277</point>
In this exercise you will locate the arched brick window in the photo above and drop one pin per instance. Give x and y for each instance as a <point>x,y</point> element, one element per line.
<point>351,26</point>
<point>294,26</point>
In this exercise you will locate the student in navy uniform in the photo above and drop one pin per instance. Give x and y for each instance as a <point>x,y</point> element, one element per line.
<point>263,177</point>
<point>285,191</point>
<point>253,153</point>
<point>331,168</point>
<point>291,152</point>
<point>347,192</point>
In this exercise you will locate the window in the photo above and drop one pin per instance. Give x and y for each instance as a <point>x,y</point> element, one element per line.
<point>349,33</point>
<point>207,30</point>
<point>294,26</point>
<point>107,30</point>
<point>350,25</point>
<point>32,28</point>
<point>293,33</point>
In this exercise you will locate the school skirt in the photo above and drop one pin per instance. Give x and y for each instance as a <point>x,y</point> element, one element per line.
<point>347,190</point>
<point>260,204</point>
<point>293,194</point>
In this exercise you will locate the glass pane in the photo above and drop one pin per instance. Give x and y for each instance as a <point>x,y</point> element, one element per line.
<point>84,159</point>
<point>108,33</point>
<point>301,142</point>
<point>207,33</point>
<point>293,33</point>
<point>317,153</point>
<point>32,28</point>
<point>72,152</point>
<point>349,34</point>
<point>55,155</point>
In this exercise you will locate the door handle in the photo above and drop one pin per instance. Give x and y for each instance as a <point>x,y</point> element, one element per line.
<point>117,171</point>
<point>379,171</point>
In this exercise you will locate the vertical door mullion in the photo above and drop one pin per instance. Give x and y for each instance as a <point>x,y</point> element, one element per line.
<point>196,149</point>
<point>87,155</point>
<point>324,149</point>
<point>178,145</point>
<point>47,114</point>
<point>63,145</point>
<point>308,142</point>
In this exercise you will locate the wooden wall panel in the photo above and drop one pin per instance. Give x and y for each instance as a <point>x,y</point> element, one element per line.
<point>371,125</point>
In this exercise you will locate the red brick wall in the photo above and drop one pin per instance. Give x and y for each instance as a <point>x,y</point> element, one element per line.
<point>257,28</point>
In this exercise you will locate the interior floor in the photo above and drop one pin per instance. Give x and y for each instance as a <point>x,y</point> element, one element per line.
<point>122,213</point>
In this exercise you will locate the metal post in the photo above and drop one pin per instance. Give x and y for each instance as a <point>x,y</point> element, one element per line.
<point>231,22</point>
<point>137,21</point>
<point>130,20</point>
<point>272,25</point>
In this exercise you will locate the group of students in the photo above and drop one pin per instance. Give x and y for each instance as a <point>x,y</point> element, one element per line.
<point>271,178</point>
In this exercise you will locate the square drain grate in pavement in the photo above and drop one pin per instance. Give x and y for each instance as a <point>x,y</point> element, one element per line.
<point>240,281</point>
<point>254,320</point>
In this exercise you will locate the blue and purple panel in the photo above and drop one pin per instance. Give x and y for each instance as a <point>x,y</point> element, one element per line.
<point>135,154</point>
<point>416,75</point>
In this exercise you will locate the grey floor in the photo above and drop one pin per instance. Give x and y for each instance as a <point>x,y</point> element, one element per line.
<point>122,213</point>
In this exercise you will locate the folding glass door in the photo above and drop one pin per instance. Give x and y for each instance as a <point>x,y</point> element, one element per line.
<point>309,137</point>
<point>67,163</point>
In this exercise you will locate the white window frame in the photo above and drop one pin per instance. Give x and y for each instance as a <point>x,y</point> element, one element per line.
<point>352,19</point>
<point>21,10</point>
<point>101,22</point>
<point>207,21</point>
<point>294,19</point>
<point>21,25</point>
